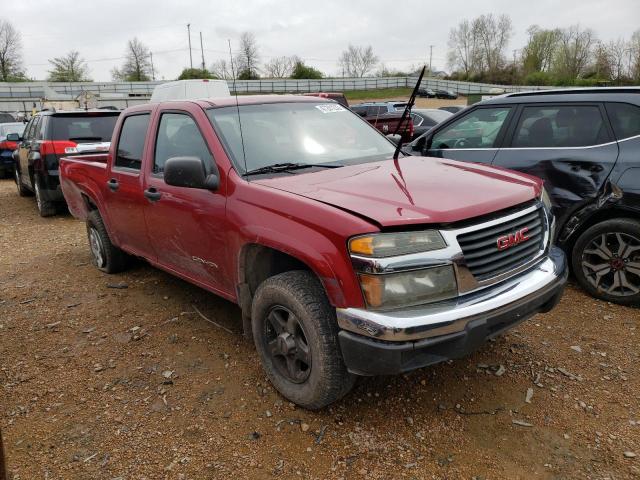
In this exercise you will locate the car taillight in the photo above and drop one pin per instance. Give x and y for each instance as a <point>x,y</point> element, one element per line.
<point>57,147</point>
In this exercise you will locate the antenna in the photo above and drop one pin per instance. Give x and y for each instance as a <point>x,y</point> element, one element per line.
<point>235,91</point>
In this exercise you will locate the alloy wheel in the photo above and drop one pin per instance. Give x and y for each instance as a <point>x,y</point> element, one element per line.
<point>18,181</point>
<point>97,249</point>
<point>611,263</point>
<point>287,344</point>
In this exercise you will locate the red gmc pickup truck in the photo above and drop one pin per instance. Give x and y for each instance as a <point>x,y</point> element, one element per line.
<point>343,260</point>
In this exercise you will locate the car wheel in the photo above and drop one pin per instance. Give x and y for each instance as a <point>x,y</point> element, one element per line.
<point>22,190</point>
<point>45,208</point>
<point>296,335</point>
<point>104,255</point>
<point>606,261</point>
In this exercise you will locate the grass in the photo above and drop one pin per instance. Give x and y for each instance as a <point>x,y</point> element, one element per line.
<point>378,93</point>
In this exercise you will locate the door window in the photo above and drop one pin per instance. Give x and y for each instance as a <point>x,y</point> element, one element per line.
<point>625,119</point>
<point>131,141</point>
<point>477,129</point>
<point>179,136</point>
<point>548,126</point>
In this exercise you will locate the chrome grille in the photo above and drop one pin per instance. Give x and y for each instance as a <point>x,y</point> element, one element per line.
<point>482,256</point>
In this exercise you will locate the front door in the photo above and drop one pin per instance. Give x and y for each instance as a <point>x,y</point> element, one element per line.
<point>569,146</point>
<point>187,225</point>
<point>24,149</point>
<point>473,137</point>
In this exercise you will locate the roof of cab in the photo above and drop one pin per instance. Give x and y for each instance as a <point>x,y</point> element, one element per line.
<point>628,94</point>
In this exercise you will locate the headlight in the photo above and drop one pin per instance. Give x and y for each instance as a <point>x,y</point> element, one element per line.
<point>391,244</point>
<point>410,288</point>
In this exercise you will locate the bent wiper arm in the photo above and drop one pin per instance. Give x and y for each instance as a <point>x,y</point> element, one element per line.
<point>407,111</point>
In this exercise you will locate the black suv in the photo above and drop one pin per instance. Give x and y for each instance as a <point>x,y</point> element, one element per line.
<point>585,144</point>
<point>50,135</point>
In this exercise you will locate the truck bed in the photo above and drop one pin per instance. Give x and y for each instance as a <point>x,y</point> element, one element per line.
<point>82,172</point>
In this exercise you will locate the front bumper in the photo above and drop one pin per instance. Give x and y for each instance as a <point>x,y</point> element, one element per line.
<point>375,343</point>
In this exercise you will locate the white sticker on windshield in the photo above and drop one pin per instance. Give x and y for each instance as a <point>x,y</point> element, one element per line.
<point>330,108</point>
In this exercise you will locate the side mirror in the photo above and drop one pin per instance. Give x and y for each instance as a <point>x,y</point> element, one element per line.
<point>395,138</point>
<point>13,137</point>
<point>189,172</point>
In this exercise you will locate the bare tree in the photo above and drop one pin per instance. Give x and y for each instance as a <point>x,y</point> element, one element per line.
<point>70,68</point>
<point>221,69</point>
<point>464,48</point>
<point>634,54</point>
<point>357,61</point>
<point>248,56</point>
<point>137,65</point>
<point>494,34</point>
<point>10,52</point>
<point>618,51</point>
<point>574,52</point>
<point>280,67</point>
<point>540,50</point>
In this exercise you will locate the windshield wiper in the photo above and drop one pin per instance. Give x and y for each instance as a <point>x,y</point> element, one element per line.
<point>285,167</point>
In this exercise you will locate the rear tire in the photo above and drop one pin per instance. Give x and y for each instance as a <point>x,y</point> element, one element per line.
<point>22,190</point>
<point>606,261</point>
<point>104,255</point>
<point>45,208</point>
<point>296,335</point>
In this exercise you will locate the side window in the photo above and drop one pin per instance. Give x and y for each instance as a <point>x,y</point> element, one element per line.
<point>625,119</point>
<point>178,136</point>
<point>548,126</point>
<point>40,127</point>
<point>131,141</point>
<point>31,128</point>
<point>417,120</point>
<point>477,129</point>
<point>362,111</point>
<point>27,129</point>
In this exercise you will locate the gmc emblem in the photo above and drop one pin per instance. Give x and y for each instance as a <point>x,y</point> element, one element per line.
<point>508,241</point>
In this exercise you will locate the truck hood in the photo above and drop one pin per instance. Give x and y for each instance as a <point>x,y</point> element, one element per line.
<point>413,190</point>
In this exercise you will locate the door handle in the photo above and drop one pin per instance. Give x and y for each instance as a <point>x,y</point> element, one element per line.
<point>113,184</point>
<point>152,194</point>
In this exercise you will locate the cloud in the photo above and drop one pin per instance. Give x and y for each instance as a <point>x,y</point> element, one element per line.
<point>399,32</point>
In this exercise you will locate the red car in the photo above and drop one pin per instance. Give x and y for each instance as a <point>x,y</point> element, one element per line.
<point>343,260</point>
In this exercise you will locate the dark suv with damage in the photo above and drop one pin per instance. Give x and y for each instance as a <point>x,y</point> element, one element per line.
<point>585,145</point>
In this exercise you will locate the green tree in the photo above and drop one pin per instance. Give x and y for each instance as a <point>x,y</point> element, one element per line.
<point>248,74</point>
<point>300,70</point>
<point>70,68</point>
<point>196,73</point>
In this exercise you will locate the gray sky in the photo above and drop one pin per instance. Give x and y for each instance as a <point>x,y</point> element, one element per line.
<point>400,32</point>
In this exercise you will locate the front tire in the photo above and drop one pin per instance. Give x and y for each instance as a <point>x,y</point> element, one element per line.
<point>606,261</point>
<point>296,335</point>
<point>104,255</point>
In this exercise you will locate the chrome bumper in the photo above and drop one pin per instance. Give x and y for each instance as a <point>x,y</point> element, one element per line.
<point>443,318</point>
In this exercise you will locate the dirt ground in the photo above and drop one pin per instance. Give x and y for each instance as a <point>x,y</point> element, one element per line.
<point>98,382</point>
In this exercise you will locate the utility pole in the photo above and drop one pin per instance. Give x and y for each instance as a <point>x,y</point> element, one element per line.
<point>430,58</point>
<point>202,50</point>
<point>153,72</point>
<point>189,33</point>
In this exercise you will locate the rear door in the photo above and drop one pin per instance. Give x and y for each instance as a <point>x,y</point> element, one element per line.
<point>187,225</point>
<point>569,146</point>
<point>124,192</point>
<point>473,137</point>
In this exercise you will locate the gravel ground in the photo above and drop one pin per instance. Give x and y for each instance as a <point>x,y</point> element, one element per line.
<point>98,382</point>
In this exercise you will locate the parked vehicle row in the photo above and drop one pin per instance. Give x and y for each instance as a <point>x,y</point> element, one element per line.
<point>343,260</point>
<point>439,93</point>
<point>585,145</point>
<point>48,136</point>
<point>346,256</point>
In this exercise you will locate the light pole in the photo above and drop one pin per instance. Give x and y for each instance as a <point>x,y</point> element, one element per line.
<point>189,34</point>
